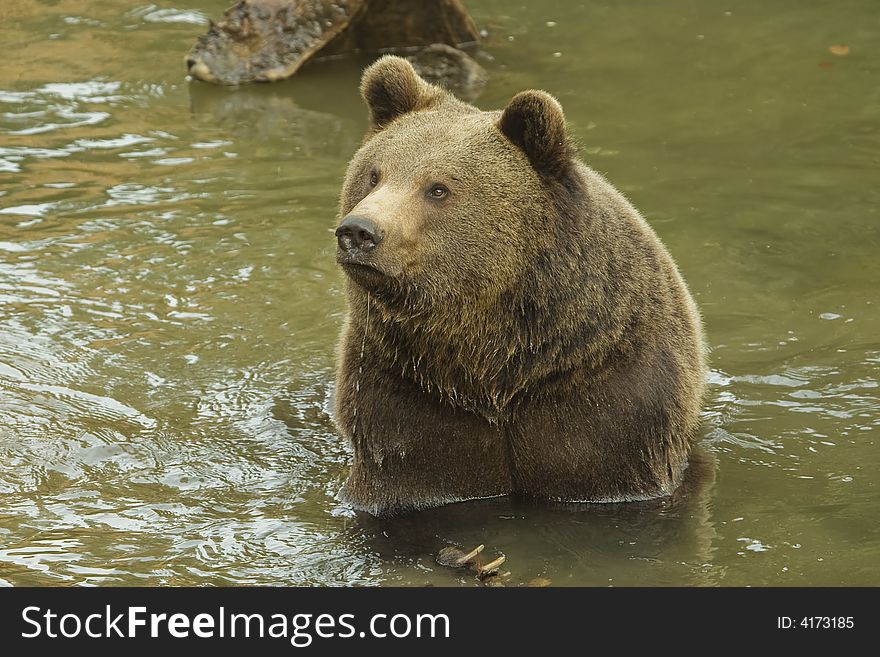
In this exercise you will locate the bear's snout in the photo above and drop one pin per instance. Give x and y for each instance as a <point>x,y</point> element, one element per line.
<point>358,234</point>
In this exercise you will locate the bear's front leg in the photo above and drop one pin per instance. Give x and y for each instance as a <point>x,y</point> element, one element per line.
<point>412,449</point>
<point>620,438</point>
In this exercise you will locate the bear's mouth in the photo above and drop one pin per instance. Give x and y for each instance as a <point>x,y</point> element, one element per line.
<point>366,274</point>
<point>355,260</point>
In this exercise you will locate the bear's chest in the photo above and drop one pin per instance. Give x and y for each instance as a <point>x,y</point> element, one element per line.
<point>465,371</point>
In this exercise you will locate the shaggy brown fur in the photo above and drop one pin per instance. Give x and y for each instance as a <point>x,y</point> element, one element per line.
<point>526,333</point>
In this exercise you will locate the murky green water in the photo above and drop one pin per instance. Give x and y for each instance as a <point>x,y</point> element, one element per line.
<point>169,302</point>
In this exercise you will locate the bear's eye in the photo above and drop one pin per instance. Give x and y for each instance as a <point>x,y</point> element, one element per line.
<point>374,178</point>
<point>438,192</point>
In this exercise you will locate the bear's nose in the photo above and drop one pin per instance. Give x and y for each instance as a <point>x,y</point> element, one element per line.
<point>358,233</point>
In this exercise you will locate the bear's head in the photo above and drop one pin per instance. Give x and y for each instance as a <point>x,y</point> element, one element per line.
<point>446,206</point>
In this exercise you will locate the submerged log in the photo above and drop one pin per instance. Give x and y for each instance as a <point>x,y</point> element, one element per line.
<point>269,40</point>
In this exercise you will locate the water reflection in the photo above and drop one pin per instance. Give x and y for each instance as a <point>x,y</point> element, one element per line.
<point>576,544</point>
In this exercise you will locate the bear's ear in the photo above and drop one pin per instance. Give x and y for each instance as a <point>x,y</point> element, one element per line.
<point>391,87</point>
<point>533,121</point>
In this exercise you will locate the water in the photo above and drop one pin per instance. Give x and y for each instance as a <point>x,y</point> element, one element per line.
<point>169,303</point>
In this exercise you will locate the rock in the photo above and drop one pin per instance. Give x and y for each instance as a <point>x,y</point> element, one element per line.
<point>269,40</point>
<point>450,68</point>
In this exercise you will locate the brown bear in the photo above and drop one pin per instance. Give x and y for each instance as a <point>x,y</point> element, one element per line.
<point>515,327</point>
